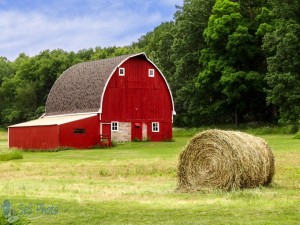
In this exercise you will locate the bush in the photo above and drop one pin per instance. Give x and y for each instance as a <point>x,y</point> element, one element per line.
<point>10,155</point>
<point>297,136</point>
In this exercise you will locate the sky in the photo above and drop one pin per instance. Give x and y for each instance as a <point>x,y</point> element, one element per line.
<point>31,26</point>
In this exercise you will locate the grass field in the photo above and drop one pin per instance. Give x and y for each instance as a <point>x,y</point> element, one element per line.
<point>135,183</point>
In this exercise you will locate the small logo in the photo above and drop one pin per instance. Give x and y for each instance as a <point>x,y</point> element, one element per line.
<point>8,212</point>
<point>6,207</point>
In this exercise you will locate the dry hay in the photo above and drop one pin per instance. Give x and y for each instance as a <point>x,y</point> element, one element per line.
<point>227,160</point>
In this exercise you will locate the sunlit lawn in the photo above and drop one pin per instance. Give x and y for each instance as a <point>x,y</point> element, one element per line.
<point>135,183</point>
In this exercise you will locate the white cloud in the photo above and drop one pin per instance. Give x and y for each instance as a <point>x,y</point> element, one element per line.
<point>112,23</point>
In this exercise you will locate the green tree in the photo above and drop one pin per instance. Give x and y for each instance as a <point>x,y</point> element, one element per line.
<point>282,47</point>
<point>190,21</point>
<point>43,70</point>
<point>24,94</point>
<point>233,65</point>
<point>6,69</point>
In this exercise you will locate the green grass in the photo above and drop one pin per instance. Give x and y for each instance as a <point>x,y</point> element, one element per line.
<point>135,183</point>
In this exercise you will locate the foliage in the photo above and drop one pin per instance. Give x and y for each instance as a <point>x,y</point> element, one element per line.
<point>297,135</point>
<point>190,21</point>
<point>282,47</point>
<point>233,63</point>
<point>8,155</point>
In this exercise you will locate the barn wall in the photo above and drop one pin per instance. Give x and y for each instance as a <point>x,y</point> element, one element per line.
<point>88,139</point>
<point>164,134</point>
<point>38,137</point>
<point>136,97</point>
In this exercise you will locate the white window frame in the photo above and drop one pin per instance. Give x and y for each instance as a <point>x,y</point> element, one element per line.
<point>114,126</point>
<point>121,71</point>
<point>155,126</point>
<point>151,72</point>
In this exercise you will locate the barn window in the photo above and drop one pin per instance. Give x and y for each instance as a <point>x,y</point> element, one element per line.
<point>155,127</point>
<point>151,72</point>
<point>121,71</point>
<point>79,131</point>
<point>114,126</point>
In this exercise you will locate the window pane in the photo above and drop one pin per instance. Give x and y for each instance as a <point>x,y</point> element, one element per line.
<point>155,127</point>
<point>79,131</point>
<point>114,126</point>
<point>121,71</point>
<point>151,73</point>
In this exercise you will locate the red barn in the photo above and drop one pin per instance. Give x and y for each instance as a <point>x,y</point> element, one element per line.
<point>120,99</point>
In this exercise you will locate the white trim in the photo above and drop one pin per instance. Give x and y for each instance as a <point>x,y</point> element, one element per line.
<point>155,131</point>
<point>111,128</point>
<point>114,70</point>
<point>151,72</point>
<point>122,71</point>
<point>101,124</point>
<point>8,138</point>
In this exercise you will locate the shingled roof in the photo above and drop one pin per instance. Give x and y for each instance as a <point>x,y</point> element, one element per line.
<point>79,89</point>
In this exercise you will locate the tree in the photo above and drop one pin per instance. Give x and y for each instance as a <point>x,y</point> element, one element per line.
<point>233,64</point>
<point>190,21</point>
<point>43,70</point>
<point>6,69</point>
<point>282,46</point>
<point>24,94</point>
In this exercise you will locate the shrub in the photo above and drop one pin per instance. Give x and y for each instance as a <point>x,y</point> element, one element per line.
<point>10,155</point>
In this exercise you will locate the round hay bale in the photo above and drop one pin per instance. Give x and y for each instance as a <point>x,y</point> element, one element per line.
<point>227,160</point>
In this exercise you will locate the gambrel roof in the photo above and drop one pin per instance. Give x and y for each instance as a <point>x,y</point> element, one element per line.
<point>80,88</point>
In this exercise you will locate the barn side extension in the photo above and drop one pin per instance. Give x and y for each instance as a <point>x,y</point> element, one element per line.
<point>79,131</point>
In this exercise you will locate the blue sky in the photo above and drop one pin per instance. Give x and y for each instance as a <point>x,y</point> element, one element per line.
<point>31,26</point>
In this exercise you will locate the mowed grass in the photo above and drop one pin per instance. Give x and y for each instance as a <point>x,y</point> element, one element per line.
<point>135,183</point>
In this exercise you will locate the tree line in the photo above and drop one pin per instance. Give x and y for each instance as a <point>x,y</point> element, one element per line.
<point>227,61</point>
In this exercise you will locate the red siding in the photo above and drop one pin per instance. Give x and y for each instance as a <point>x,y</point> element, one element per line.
<point>39,137</point>
<point>136,97</point>
<point>164,134</point>
<point>51,137</point>
<point>90,138</point>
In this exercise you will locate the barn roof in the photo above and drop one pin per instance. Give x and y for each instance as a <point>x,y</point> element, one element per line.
<point>53,120</point>
<point>80,88</point>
